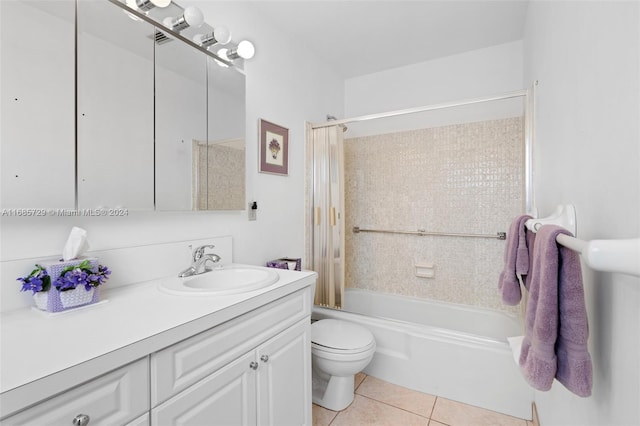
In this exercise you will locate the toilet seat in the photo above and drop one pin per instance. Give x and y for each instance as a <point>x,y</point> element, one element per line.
<point>319,348</point>
<point>336,336</point>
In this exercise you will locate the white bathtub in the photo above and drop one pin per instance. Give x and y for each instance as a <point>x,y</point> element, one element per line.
<point>449,350</point>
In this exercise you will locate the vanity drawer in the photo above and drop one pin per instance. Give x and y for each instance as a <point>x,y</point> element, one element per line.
<point>116,398</point>
<point>175,368</point>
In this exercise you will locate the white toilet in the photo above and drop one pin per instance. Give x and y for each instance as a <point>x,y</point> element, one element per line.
<point>339,350</point>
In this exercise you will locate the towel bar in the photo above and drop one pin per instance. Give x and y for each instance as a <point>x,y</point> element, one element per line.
<point>601,255</point>
<point>421,232</point>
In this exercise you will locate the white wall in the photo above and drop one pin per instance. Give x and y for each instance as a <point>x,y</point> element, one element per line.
<point>286,85</point>
<point>587,152</point>
<point>478,73</point>
<point>481,72</point>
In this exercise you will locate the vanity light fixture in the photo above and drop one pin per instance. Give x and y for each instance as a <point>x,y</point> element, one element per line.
<point>191,17</point>
<point>220,35</point>
<point>245,50</point>
<point>146,5</point>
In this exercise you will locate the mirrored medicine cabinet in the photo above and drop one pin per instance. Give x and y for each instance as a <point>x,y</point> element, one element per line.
<point>127,117</point>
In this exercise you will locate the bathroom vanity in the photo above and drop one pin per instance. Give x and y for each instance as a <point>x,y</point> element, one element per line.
<point>147,357</point>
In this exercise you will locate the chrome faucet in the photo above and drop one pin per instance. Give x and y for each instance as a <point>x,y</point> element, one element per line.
<point>200,259</point>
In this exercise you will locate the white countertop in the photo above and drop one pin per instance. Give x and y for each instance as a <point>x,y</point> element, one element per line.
<point>136,320</point>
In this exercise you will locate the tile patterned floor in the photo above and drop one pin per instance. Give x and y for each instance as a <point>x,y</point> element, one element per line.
<point>380,403</point>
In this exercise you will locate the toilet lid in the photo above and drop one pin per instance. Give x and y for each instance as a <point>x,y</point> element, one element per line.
<point>339,334</point>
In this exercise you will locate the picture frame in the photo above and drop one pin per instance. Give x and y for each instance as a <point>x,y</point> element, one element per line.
<point>274,148</point>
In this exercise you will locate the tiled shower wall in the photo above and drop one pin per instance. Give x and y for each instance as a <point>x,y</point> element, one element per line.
<point>466,178</point>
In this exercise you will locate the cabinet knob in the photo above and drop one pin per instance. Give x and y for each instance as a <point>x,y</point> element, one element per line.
<point>81,420</point>
<point>264,358</point>
<point>253,365</point>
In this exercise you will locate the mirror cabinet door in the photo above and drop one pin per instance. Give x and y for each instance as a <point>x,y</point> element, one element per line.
<point>37,147</point>
<point>181,121</point>
<point>225,157</point>
<point>113,116</point>
<point>115,108</point>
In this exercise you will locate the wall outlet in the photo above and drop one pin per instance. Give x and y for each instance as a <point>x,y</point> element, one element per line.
<point>253,210</point>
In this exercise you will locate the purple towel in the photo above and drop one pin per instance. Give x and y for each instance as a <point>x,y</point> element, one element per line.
<point>556,330</point>
<point>516,261</point>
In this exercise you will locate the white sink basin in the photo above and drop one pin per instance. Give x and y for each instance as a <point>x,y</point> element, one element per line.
<point>222,281</point>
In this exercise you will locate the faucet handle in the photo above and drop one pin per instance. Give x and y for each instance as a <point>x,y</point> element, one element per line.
<point>199,251</point>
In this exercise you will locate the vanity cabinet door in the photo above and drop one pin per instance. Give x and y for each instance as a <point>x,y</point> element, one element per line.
<point>284,379</point>
<point>116,398</point>
<point>270,385</point>
<point>224,398</point>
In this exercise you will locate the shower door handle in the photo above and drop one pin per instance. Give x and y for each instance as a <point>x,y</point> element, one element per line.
<point>316,215</point>
<point>333,216</point>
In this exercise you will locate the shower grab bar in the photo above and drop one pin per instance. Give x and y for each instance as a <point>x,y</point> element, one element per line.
<point>601,255</point>
<point>422,232</point>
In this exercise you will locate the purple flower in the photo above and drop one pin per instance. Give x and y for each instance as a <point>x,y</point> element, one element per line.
<point>72,279</point>
<point>104,271</point>
<point>83,274</point>
<point>38,280</point>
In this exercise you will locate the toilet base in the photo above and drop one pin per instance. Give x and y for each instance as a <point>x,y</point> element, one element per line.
<point>332,392</point>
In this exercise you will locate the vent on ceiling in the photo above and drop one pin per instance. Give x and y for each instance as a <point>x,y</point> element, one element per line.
<point>160,37</point>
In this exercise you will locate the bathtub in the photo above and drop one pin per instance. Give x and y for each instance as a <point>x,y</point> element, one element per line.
<point>453,351</point>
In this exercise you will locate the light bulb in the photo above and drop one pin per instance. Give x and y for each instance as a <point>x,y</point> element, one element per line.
<point>220,35</point>
<point>246,50</point>
<point>191,17</point>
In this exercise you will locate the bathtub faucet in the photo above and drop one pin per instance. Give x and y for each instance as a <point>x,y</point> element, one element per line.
<point>200,259</point>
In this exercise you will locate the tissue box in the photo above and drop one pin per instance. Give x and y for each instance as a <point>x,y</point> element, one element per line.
<point>294,264</point>
<point>55,267</point>
<point>57,301</point>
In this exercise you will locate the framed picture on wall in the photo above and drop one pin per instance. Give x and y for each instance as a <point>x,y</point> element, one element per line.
<point>274,148</point>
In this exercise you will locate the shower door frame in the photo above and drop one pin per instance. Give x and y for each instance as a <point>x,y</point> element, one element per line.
<point>529,134</point>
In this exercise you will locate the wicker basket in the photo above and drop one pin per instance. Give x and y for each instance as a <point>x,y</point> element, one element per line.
<point>79,296</point>
<point>57,301</point>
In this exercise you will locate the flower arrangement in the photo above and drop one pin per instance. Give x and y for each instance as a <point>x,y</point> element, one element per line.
<point>37,280</point>
<point>274,147</point>
<point>83,274</point>
<point>58,286</point>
